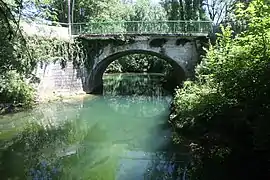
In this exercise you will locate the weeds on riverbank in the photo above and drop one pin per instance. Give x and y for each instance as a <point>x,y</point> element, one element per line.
<point>224,113</point>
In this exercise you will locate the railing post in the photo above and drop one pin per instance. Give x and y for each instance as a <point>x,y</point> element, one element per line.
<point>69,20</point>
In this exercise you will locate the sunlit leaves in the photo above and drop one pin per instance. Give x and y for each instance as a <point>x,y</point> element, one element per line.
<point>232,86</point>
<point>184,9</point>
<point>13,89</point>
<point>143,10</point>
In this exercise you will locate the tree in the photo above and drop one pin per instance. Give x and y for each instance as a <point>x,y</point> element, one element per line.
<point>143,10</point>
<point>15,64</point>
<point>184,9</point>
<point>220,11</point>
<point>217,9</point>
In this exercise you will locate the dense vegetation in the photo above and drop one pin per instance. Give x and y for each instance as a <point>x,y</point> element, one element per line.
<point>140,63</point>
<point>15,64</point>
<point>224,113</point>
<point>19,56</point>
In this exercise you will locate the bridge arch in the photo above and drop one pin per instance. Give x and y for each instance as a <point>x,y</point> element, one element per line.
<point>95,80</point>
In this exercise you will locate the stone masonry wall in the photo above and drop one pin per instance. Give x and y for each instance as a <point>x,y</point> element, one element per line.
<point>55,80</point>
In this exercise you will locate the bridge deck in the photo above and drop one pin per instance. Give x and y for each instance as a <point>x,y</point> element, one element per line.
<point>137,36</point>
<point>190,28</point>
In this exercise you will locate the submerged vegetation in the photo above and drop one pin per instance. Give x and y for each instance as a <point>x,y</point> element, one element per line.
<point>64,140</point>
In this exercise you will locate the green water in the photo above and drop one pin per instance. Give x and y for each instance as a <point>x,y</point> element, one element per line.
<point>120,135</point>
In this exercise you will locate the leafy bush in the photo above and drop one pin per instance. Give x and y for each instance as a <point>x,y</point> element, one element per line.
<point>14,89</point>
<point>224,113</point>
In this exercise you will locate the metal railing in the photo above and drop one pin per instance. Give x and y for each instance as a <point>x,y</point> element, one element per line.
<point>142,27</point>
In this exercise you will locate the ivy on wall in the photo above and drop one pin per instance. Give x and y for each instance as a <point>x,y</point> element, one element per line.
<point>45,50</point>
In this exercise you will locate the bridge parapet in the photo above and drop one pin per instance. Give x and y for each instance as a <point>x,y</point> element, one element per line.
<point>142,27</point>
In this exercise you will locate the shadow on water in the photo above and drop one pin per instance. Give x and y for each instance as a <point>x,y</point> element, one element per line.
<point>121,135</point>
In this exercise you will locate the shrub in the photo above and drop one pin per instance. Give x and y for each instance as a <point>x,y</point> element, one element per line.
<point>224,113</point>
<point>14,89</point>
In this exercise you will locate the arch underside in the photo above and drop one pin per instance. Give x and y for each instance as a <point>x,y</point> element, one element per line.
<point>99,69</point>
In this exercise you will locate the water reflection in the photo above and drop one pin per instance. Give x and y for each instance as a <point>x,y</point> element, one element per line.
<point>134,84</point>
<point>136,92</point>
<point>109,137</point>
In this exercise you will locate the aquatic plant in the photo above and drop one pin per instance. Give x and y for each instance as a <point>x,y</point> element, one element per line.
<point>44,171</point>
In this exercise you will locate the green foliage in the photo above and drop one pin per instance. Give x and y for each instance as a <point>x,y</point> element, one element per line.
<point>225,112</point>
<point>43,49</point>
<point>19,55</point>
<point>142,10</point>
<point>82,10</point>
<point>13,67</point>
<point>14,89</point>
<point>184,9</point>
<point>140,63</point>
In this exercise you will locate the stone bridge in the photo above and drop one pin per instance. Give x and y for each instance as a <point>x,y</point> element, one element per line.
<point>177,42</point>
<point>182,52</point>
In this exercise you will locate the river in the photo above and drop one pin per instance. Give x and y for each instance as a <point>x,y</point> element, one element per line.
<point>121,135</point>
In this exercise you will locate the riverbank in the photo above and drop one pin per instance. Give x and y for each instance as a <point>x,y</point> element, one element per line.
<point>224,113</point>
<point>64,97</point>
<point>70,96</point>
<point>47,94</point>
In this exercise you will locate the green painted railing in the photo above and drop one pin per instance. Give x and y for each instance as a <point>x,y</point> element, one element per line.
<point>142,27</point>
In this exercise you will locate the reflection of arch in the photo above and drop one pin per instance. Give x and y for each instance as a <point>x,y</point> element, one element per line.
<point>100,67</point>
